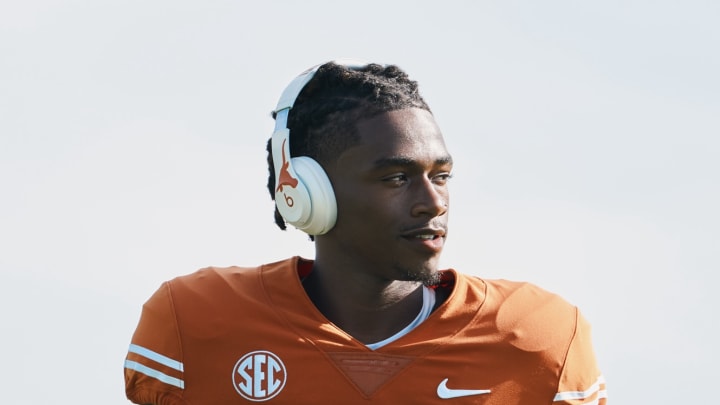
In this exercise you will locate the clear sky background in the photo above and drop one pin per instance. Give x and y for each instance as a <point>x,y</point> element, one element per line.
<point>586,136</point>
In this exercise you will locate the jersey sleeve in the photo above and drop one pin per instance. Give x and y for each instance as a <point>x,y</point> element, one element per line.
<point>581,381</point>
<point>154,363</point>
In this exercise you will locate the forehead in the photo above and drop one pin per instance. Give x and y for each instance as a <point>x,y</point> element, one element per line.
<point>408,134</point>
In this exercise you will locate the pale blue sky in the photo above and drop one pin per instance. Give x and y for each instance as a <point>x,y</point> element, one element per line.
<point>132,135</point>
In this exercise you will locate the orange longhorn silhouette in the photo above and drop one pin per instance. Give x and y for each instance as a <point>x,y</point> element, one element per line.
<point>285,179</point>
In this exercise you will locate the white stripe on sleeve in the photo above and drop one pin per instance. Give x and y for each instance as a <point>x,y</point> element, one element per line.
<point>579,395</point>
<point>157,357</point>
<point>150,372</point>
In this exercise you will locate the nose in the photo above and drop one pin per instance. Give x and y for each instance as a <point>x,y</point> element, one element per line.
<point>430,199</point>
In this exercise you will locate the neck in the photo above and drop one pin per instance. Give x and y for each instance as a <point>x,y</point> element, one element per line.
<point>367,308</point>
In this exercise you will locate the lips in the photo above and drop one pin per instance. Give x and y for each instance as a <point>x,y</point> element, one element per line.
<point>428,238</point>
<point>425,231</point>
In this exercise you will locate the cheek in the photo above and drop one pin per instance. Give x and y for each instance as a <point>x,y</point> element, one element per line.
<point>363,211</point>
<point>355,211</point>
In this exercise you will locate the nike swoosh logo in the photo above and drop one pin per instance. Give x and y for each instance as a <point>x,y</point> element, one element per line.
<point>446,393</point>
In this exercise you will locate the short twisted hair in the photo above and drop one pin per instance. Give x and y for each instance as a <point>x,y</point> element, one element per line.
<point>323,119</point>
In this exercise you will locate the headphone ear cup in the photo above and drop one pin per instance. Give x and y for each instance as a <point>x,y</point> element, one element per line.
<point>323,207</point>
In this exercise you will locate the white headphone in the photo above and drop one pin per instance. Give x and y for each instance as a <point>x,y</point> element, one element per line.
<point>303,193</point>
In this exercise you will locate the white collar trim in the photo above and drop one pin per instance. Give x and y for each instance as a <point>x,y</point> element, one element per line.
<point>425,311</point>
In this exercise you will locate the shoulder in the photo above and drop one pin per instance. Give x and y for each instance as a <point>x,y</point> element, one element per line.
<point>530,317</point>
<point>215,293</point>
<point>219,289</point>
<point>511,294</point>
<point>535,317</point>
<point>508,295</point>
<point>212,278</point>
<point>523,293</point>
<point>235,280</point>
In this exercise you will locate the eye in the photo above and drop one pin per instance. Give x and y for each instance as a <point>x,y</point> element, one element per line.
<point>397,179</point>
<point>442,178</point>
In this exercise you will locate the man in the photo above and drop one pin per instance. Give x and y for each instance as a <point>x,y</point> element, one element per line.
<point>358,162</point>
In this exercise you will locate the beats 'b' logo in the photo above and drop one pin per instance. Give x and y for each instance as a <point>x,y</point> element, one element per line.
<point>259,376</point>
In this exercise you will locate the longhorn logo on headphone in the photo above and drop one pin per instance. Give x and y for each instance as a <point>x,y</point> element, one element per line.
<point>285,179</point>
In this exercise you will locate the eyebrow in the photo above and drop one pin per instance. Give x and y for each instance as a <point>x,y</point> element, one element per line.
<point>406,161</point>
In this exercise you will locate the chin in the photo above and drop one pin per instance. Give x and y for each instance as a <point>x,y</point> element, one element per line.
<point>429,276</point>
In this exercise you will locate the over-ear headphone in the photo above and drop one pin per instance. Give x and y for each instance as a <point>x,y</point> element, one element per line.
<point>303,193</point>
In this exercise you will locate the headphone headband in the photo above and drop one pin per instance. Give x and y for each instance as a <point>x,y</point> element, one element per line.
<point>292,91</point>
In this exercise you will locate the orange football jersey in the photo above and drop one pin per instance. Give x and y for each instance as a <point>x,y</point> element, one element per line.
<point>241,335</point>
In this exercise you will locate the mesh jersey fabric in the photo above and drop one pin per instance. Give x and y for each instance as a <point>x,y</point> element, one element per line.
<point>245,335</point>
